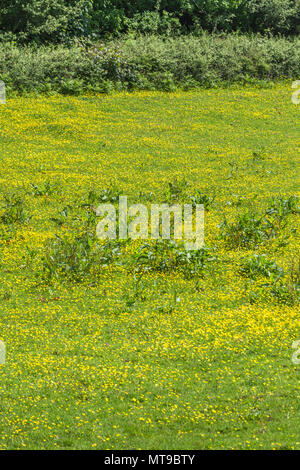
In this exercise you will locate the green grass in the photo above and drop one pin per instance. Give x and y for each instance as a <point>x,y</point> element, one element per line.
<point>171,362</point>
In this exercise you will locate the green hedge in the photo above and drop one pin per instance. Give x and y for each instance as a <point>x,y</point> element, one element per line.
<point>149,63</point>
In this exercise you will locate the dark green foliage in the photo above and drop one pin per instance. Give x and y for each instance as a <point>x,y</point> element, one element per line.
<point>45,20</point>
<point>61,20</point>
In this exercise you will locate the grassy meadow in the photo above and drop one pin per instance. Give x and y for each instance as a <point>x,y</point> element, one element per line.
<point>107,349</point>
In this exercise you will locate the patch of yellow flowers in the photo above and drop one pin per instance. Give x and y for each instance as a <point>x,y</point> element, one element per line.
<point>86,368</point>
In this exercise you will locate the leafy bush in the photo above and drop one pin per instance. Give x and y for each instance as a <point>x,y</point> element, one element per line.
<point>76,256</point>
<point>276,16</point>
<point>251,229</point>
<point>169,256</point>
<point>153,22</point>
<point>281,208</point>
<point>260,265</point>
<point>45,20</point>
<point>148,63</point>
<point>107,62</point>
<point>71,258</point>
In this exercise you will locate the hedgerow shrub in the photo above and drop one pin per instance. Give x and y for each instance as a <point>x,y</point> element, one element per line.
<point>148,62</point>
